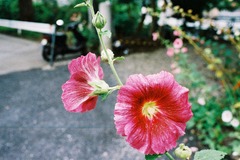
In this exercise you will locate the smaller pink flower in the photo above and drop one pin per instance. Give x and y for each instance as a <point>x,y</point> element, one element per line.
<point>184,50</point>
<point>176,70</point>
<point>170,52</point>
<point>155,36</point>
<point>173,65</point>
<point>178,43</point>
<point>202,42</point>
<point>77,93</point>
<point>194,149</point>
<point>176,33</point>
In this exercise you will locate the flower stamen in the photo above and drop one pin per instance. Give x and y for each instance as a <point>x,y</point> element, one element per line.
<point>150,109</point>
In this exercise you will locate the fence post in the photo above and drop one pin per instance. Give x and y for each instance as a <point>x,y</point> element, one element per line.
<point>53,44</point>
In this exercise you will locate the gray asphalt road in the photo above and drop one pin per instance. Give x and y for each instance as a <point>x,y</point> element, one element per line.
<point>34,124</point>
<point>18,54</point>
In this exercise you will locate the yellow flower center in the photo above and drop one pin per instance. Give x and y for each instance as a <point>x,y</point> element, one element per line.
<point>150,109</point>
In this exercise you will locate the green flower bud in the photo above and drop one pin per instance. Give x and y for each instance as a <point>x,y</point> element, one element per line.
<point>176,8</point>
<point>219,74</point>
<point>99,21</point>
<point>100,87</point>
<point>207,51</point>
<point>183,152</point>
<point>212,67</point>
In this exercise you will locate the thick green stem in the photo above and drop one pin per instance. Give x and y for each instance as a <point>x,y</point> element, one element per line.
<point>110,61</point>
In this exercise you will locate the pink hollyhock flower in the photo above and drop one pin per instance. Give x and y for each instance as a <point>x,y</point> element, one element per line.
<point>178,43</point>
<point>176,70</point>
<point>77,92</point>
<point>170,52</point>
<point>151,112</point>
<point>155,36</point>
<point>176,33</point>
<point>184,50</point>
<point>173,65</point>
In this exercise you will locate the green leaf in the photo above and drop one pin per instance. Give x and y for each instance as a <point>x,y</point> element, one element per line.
<point>80,5</point>
<point>106,33</point>
<point>152,157</point>
<point>209,155</point>
<point>105,95</point>
<point>119,58</point>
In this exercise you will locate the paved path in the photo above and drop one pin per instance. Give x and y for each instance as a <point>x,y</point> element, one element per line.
<point>17,54</point>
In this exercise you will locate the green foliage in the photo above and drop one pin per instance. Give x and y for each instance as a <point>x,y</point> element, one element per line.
<point>126,17</point>
<point>209,155</point>
<point>92,39</point>
<point>208,116</point>
<point>152,157</point>
<point>225,51</point>
<point>9,9</point>
<point>45,13</point>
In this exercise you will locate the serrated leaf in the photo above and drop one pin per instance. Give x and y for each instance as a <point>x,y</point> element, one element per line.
<point>152,157</point>
<point>209,155</point>
<point>106,33</point>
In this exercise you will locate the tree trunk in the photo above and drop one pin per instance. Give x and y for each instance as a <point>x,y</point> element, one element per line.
<point>26,11</point>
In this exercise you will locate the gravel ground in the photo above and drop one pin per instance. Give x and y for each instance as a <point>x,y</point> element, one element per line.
<point>34,124</point>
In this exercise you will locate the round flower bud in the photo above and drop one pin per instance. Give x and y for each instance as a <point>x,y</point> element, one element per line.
<point>183,152</point>
<point>211,67</point>
<point>189,11</point>
<point>207,51</point>
<point>104,56</point>
<point>99,21</point>
<point>219,74</point>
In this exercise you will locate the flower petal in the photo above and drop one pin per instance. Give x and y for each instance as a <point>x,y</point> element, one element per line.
<point>88,64</point>
<point>77,93</point>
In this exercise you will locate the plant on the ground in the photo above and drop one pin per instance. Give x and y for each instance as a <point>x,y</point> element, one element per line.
<point>151,111</point>
<point>214,84</point>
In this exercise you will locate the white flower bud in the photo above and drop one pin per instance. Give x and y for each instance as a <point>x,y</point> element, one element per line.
<point>104,56</point>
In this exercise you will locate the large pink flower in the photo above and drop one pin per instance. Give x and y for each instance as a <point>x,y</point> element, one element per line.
<point>152,111</point>
<point>77,92</point>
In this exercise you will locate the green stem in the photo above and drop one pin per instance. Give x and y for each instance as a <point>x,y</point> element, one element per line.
<point>169,156</point>
<point>110,61</point>
<point>114,88</point>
